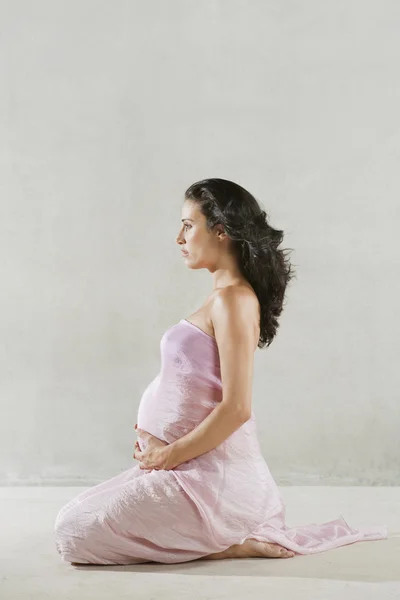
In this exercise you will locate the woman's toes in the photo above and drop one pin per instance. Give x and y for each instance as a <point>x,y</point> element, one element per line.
<point>287,553</point>
<point>253,548</point>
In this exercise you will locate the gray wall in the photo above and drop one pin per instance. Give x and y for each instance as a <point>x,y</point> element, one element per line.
<point>109,110</point>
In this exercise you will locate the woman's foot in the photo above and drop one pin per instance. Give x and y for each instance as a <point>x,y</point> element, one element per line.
<point>253,549</point>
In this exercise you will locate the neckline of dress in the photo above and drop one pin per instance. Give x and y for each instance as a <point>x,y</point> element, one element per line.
<point>198,329</point>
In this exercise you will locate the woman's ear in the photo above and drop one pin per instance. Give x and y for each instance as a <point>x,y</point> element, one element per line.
<point>220,232</point>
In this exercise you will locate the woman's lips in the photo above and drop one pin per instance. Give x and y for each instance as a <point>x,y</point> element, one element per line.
<point>184,253</point>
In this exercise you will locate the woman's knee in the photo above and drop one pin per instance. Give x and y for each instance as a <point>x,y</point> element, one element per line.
<point>73,532</point>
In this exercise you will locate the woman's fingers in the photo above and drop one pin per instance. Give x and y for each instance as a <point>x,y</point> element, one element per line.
<point>136,449</point>
<point>144,434</point>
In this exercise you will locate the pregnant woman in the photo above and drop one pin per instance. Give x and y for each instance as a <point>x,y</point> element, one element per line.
<point>201,488</point>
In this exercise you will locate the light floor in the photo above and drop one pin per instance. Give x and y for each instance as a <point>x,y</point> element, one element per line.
<point>31,569</point>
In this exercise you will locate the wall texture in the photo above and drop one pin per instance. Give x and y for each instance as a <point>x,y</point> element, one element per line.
<point>108,111</point>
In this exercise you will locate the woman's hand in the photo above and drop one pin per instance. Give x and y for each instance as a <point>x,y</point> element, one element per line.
<point>156,454</point>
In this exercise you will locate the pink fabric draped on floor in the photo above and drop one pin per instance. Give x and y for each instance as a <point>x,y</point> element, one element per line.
<point>202,506</point>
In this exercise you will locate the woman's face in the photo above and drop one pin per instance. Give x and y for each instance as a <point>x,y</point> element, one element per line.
<point>201,246</point>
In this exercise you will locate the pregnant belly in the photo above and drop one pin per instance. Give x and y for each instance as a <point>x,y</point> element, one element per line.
<point>167,414</point>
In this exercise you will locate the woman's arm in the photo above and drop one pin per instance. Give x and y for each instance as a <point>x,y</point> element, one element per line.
<point>235,321</point>
<point>209,434</point>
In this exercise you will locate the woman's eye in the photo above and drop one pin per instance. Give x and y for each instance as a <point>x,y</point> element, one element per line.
<point>186,225</point>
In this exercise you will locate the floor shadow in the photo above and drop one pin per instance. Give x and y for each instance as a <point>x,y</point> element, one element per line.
<point>372,561</point>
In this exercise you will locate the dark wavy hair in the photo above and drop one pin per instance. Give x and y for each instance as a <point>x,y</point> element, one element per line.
<point>255,243</point>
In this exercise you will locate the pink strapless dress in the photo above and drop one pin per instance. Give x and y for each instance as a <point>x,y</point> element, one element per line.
<point>202,506</point>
